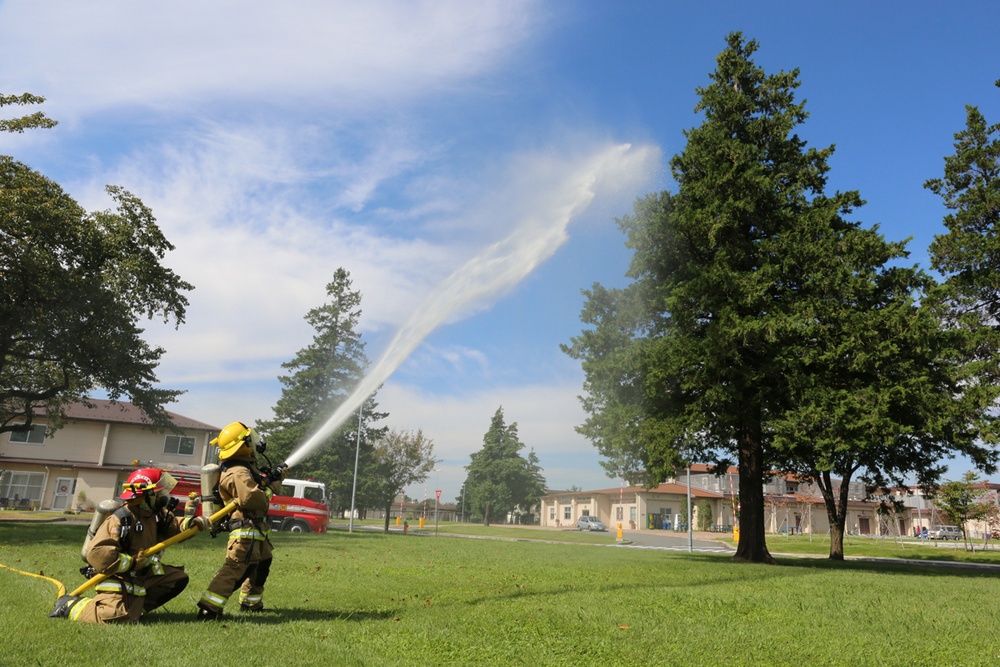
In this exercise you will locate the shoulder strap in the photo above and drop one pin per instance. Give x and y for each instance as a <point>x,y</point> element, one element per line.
<point>125,527</point>
<point>226,465</point>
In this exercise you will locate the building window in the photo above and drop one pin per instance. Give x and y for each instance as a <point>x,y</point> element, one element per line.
<point>21,485</point>
<point>181,445</point>
<point>36,436</point>
<point>552,513</point>
<point>568,513</point>
<point>618,513</point>
<point>631,513</point>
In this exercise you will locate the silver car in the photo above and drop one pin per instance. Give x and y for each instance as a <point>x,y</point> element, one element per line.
<point>590,523</point>
<point>945,533</point>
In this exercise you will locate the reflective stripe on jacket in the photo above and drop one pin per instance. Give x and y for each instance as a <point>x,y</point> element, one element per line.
<point>247,534</point>
<point>117,586</point>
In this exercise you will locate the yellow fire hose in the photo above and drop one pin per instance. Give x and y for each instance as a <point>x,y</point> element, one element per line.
<point>156,548</point>
<point>61,590</point>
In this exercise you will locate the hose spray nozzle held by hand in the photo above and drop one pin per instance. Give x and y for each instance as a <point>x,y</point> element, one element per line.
<point>279,472</point>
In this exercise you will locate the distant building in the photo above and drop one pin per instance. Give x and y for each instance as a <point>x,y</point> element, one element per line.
<point>790,505</point>
<point>89,458</point>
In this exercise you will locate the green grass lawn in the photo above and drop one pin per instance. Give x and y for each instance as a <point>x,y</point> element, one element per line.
<point>366,598</point>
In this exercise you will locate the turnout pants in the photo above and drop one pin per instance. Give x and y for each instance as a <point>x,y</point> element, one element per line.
<point>125,600</point>
<point>248,562</point>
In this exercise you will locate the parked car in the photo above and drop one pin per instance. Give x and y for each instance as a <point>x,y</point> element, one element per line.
<point>590,523</point>
<point>945,533</point>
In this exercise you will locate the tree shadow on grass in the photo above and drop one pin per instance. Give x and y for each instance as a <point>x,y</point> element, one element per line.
<point>915,566</point>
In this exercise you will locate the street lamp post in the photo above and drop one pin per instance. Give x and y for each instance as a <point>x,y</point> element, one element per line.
<point>354,486</point>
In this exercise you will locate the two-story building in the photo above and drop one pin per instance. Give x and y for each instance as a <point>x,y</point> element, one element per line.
<point>791,506</point>
<point>87,460</point>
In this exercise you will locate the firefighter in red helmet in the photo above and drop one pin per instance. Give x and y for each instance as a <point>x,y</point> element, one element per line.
<point>248,552</point>
<point>136,584</point>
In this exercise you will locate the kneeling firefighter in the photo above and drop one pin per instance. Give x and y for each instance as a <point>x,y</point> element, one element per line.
<point>136,584</point>
<point>248,551</point>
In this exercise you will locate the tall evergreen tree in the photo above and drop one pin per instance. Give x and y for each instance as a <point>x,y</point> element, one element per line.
<point>323,375</point>
<point>730,278</point>
<point>500,480</point>
<point>969,254</point>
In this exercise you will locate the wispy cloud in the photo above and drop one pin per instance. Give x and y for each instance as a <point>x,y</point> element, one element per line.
<point>343,55</point>
<point>275,145</point>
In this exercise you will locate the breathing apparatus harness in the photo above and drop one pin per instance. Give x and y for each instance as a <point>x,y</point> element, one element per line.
<point>162,517</point>
<point>263,476</point>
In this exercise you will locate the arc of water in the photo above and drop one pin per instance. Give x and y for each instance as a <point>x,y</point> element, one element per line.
<point>491,273</point>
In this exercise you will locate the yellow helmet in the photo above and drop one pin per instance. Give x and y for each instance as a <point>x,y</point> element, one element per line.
<point>237,439</point>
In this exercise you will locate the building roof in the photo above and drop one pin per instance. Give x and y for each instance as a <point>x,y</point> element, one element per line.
<point>123,412</point>
<point>676,489</point>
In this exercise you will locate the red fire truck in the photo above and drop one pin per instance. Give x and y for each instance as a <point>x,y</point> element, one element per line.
<point>300,508</point>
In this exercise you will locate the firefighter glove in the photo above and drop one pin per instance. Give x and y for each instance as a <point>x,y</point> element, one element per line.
<point>199,522</point>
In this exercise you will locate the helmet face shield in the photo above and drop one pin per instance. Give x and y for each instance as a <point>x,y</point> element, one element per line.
<point>258,444</point>
<point>166,484</point>
<point>163,489</point>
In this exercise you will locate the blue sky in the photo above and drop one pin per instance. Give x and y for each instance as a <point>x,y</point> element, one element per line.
<point>402,140</point>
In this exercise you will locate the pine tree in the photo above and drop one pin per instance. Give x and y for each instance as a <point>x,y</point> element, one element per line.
<point>500,480</point>
<point>322,375</point>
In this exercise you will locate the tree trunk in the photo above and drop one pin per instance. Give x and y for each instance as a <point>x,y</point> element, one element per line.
<point>836,512</point>
<point>388,511</point>
<point>752,547</point>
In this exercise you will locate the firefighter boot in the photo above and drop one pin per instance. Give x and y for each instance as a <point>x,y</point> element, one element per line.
<point>205,614</point>
<point>63,604</point>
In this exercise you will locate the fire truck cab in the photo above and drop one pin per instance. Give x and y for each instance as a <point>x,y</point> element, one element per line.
<point>301,507</point>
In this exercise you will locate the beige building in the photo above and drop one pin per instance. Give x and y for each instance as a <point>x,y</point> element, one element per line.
<point>790,506</point>
<point>86,460</point>
<point>635,507</point>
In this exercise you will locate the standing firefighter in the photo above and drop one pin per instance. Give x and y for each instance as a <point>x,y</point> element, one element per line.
<point>248,553</point>
<point>136,584</point>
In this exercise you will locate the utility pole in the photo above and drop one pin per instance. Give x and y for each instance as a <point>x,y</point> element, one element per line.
<point>357,453</point>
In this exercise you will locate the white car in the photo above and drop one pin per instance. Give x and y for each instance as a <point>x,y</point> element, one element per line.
<point>590,523</point>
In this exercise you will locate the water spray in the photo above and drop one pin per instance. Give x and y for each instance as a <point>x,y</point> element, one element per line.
<point>485,277</point>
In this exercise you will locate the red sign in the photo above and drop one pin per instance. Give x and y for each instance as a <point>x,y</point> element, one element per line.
<point>438,493</point>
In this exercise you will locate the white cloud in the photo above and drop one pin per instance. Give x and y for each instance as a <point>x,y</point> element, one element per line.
<point>329,145</point>
<point>260,250</point>
<point>545,416</point>
<point>112,53</point>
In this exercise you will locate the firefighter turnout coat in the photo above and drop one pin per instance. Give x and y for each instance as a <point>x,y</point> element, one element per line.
<point>135,585</point>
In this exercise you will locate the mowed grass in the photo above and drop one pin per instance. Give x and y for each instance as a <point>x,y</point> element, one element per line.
<point>366,598</point>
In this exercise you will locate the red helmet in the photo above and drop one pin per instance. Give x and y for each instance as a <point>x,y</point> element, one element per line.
<point>153,480</point>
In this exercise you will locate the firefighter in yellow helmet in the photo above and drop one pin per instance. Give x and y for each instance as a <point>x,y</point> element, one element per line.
<point>248,552</point>
<point>136,584</point>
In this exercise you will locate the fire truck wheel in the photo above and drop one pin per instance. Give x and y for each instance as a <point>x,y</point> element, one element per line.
<point>298,527</point>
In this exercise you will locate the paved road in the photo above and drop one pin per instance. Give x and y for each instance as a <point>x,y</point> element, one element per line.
<point>670,541</point>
